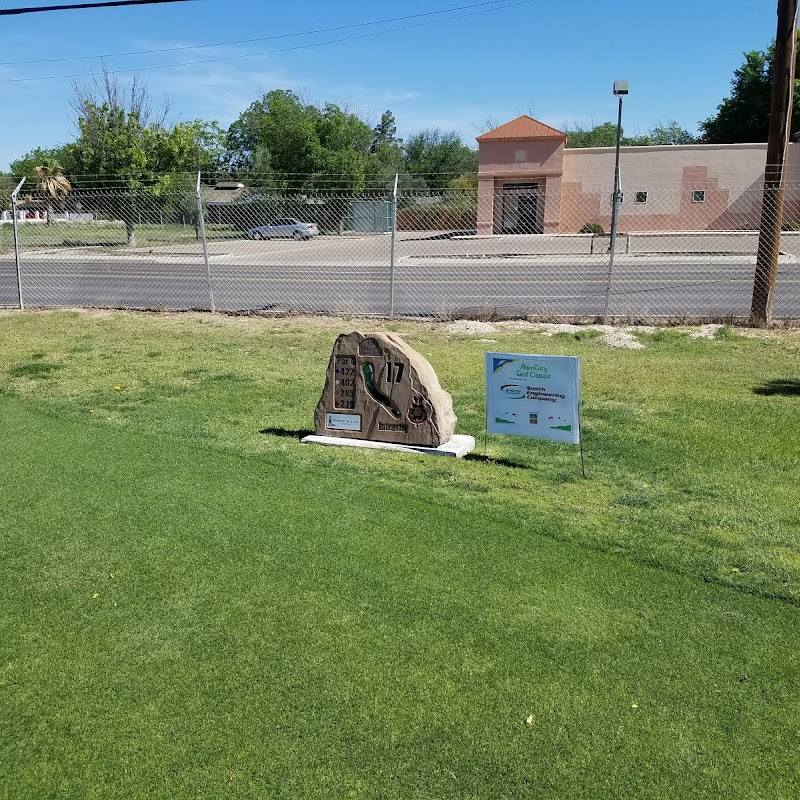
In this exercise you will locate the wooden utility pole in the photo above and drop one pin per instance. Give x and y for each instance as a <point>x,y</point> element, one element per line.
<point>780,117</point>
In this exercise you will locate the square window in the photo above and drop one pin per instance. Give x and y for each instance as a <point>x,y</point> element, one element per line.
<point>641,197</point>
<point>699,196</point>
<point>521,155</point>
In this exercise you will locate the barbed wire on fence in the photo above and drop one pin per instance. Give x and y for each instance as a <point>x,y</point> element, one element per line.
<point>539,252</point>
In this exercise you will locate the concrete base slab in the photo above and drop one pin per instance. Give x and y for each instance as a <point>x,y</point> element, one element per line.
<point>458,446</point>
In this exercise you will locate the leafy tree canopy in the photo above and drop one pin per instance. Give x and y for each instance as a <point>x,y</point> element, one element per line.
<point>120,136</point>
<point>605,135</point>
<point>25,166</point>
<point>744,115</point>
<point>299,147</point>
<point>384,134</point>
<point>672,133</point>
<point>433,155</point>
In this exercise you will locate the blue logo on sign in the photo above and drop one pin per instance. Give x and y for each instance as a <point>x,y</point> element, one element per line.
<point>513,390</point>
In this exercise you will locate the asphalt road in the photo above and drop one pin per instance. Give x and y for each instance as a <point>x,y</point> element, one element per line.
<point>430,278</point>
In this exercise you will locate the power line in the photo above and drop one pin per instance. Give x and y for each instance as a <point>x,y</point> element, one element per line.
<point>74,6</point>
<point>258,39</point>
<point>273,52</point>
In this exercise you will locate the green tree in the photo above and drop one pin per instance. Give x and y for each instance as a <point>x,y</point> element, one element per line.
<point>51,183</point>
<point>605,135</point>
<point>23,167</point>
<point>195,146</point>
<point>287,144</point>
<point>176,155</point>
<point>242,141</point>
<point>672,133</point>
<point>744,115</point>
<point>7,184</point>
<point>385,133</point>
<point>345,141</point>
<point>386,153</point>
<point>289,137</point>
<point>119,137</point>
<point>435,157</point>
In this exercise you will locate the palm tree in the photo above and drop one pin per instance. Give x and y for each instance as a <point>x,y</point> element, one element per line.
<point>52,184</point>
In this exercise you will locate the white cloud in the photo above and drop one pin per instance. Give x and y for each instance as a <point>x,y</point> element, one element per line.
<point>220,89</point>
<point>369,94</point>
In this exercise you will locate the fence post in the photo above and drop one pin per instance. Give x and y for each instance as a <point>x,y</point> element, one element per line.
<point>16,241</point>
<point>611,251</point>
<point>391,252</point>
<point>205,244</point>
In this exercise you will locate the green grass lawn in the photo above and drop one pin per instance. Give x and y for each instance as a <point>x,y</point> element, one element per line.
<point>197,608</point>
<point>35,236</point>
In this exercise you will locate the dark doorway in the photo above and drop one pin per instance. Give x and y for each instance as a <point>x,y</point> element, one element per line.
<point>520,211</point>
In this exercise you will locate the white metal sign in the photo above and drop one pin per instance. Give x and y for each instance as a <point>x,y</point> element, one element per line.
<point>343,422</point>
<point>537,396</point>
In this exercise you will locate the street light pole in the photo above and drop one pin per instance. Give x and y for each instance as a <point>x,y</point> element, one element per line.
<point>620,90</point>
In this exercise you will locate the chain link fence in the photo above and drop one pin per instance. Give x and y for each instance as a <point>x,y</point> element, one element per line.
<point>681,254</point>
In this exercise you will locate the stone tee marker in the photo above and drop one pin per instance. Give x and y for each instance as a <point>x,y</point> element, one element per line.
<point>379,392</point>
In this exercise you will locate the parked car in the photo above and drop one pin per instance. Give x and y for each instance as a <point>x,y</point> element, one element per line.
<point>283,228</point>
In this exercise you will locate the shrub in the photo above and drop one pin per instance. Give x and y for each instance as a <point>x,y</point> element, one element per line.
<point>591,227</point>
<point>724,332</point>
<point>788,226</point>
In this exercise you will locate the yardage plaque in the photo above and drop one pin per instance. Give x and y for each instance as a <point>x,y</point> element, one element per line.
<point>344,393</point>
<point>379,388</point>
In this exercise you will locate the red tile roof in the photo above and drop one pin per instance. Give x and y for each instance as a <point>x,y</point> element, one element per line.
<point>523,127</point>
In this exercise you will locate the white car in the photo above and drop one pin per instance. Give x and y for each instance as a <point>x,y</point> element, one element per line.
<point>284,227</point>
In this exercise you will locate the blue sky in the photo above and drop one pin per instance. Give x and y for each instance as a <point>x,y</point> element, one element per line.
<point>552,59</point>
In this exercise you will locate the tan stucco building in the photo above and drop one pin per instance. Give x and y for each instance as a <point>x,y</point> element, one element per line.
<point>530,181</point>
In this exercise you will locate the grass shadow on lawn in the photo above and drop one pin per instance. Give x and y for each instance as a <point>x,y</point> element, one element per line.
<point>286,433</point>
<point>498,462</point>
<point>35,369</point>
<point>780,386</point>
